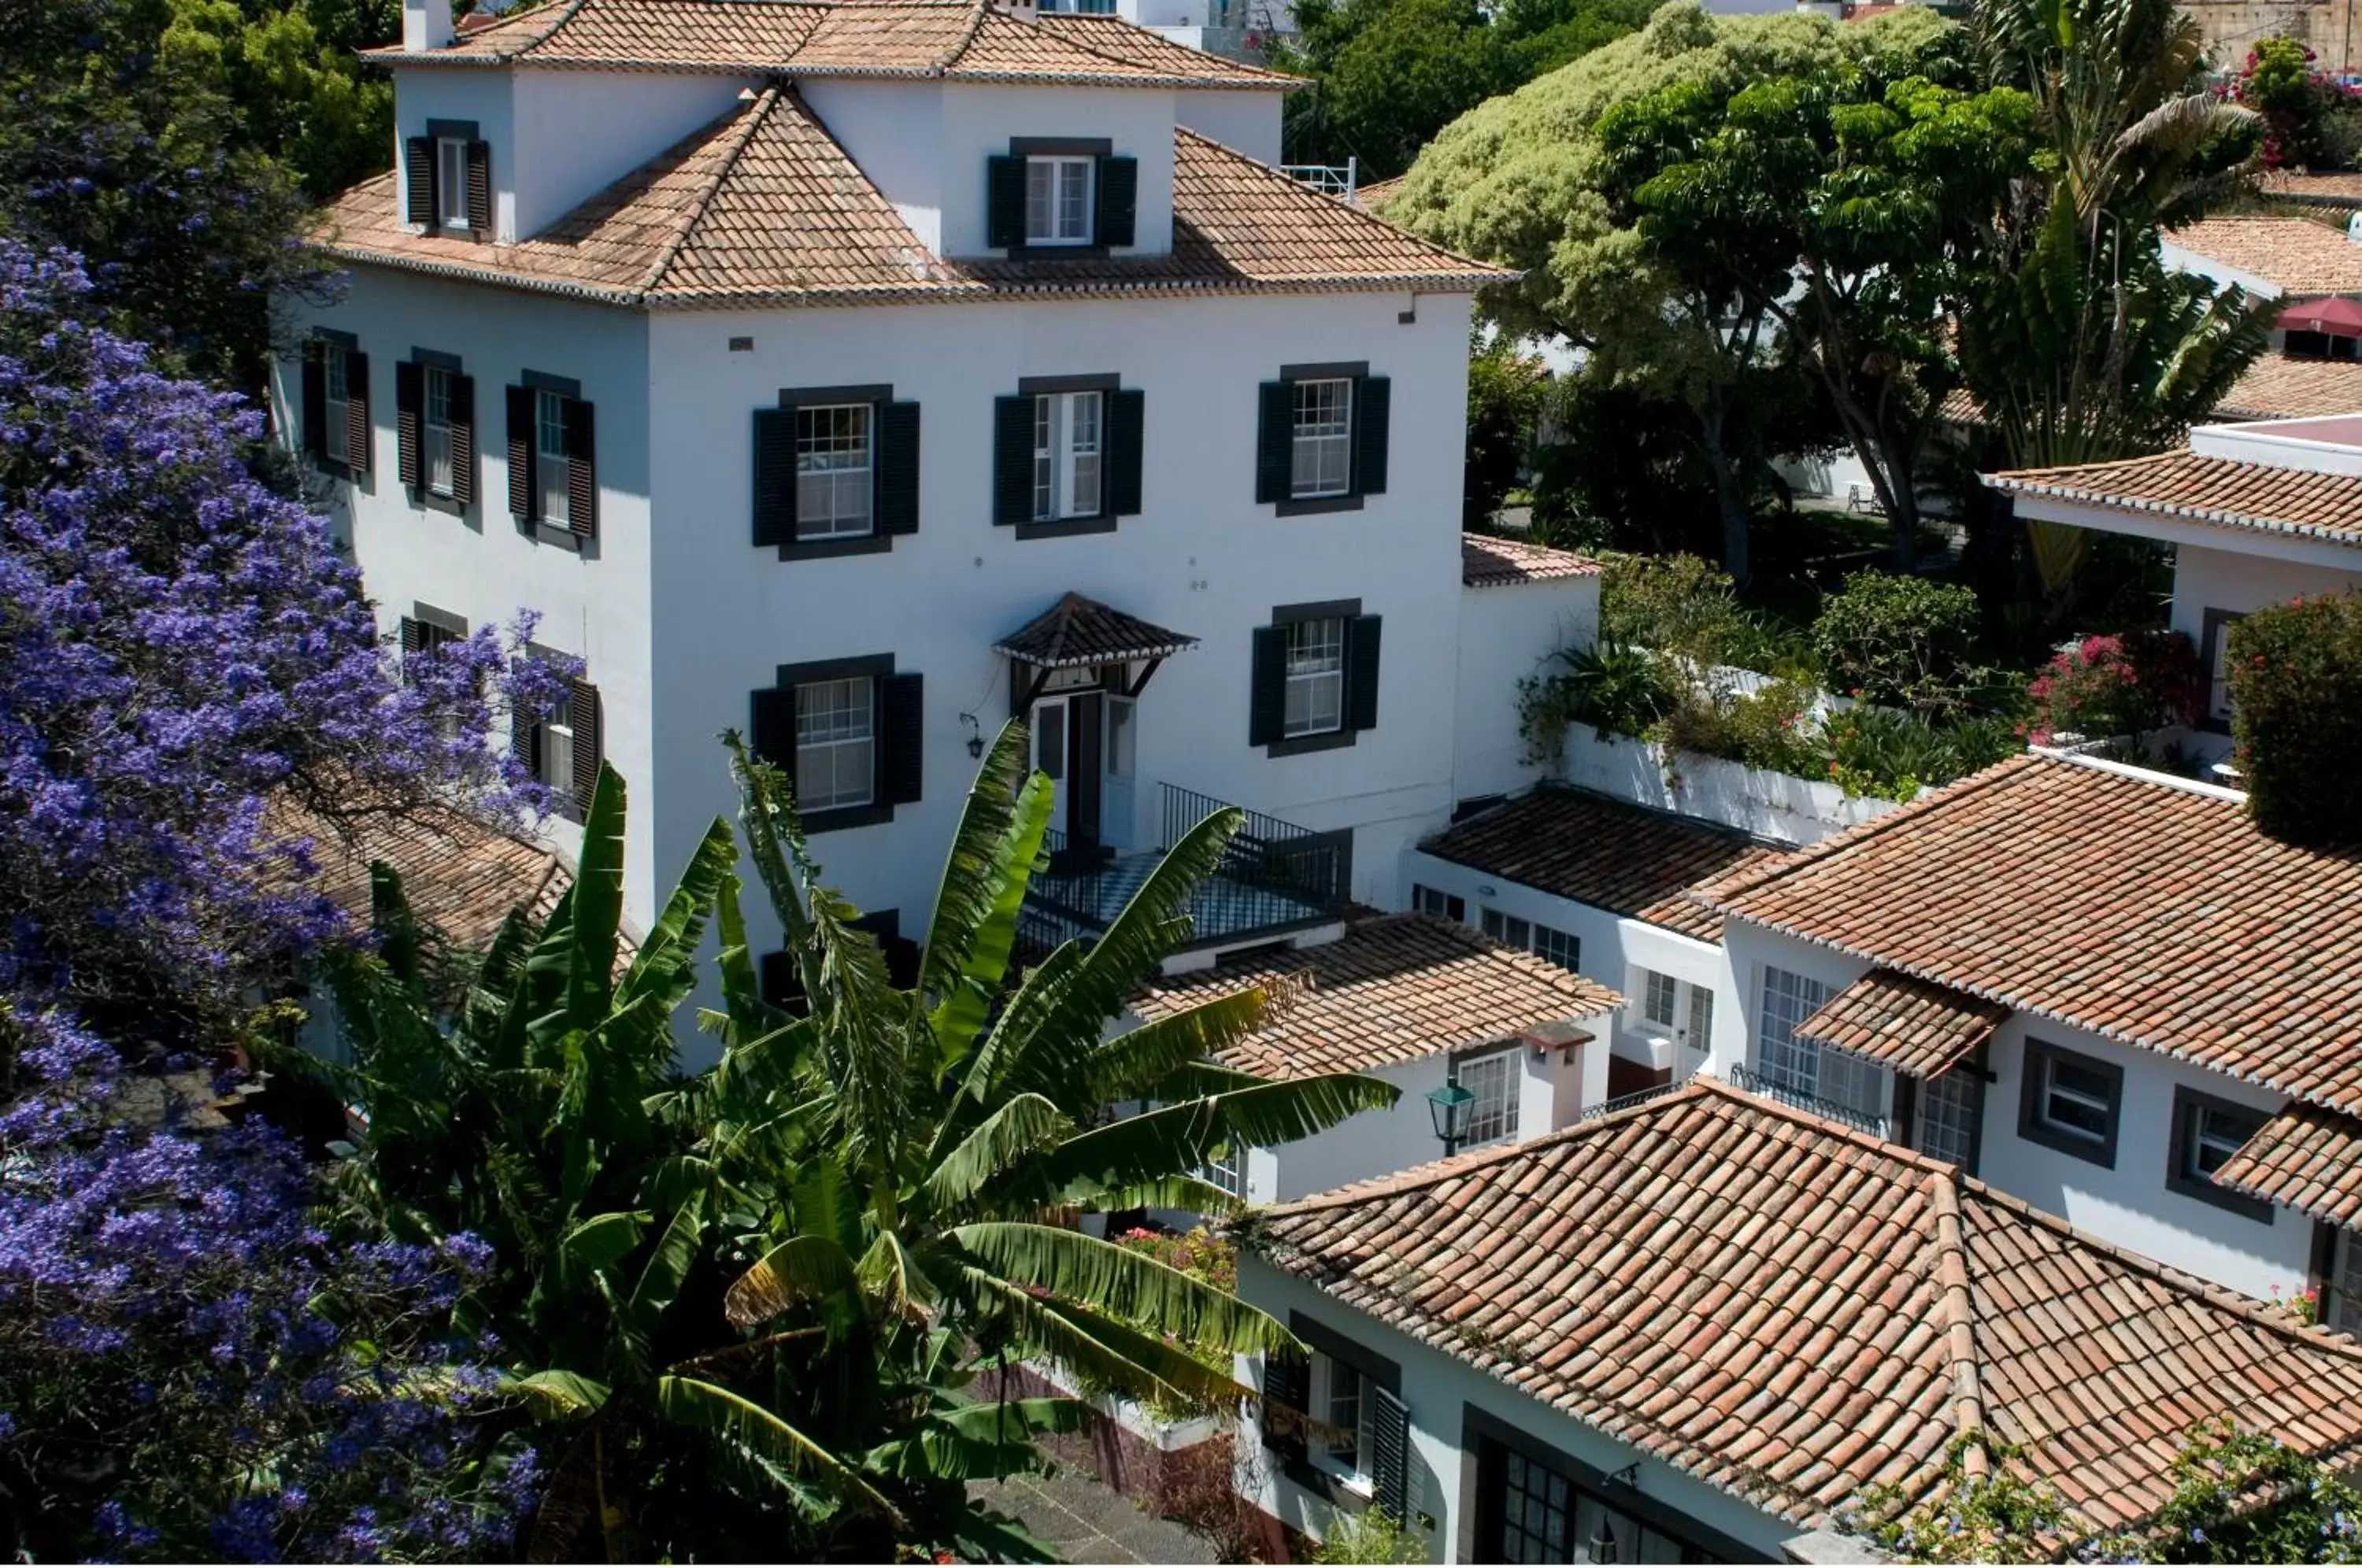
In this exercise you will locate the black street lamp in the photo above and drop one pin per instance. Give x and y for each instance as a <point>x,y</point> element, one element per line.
<point>1449,1107</point>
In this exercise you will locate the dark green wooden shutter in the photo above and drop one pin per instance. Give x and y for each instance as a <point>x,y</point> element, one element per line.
<point>357,431</point>
<point>414,636</point>
<point>581,469</point>
<point>525,454</point>
<point>771,729</point>
<point>1267,702</point>
<point>418,180</point>
<point>479,189</point>
<point>1275,442</point>
<point>1127,424</point>
<point>1012,459</point>
<point>1361,673</point>
<point>781,983</point>
<point>1119,201</point>
<point>524,742</point>
<point>582,714</point>
<point>1004,203</point>
<point>1372,399</point>
<point>1286,1390</point>
<point>897,468</point>
<point>902,729</point>
<point>409,408</point>
<point>315,399</point>
<point>775,476</point>
<point>1390,1454</point>
<point>463,439</point>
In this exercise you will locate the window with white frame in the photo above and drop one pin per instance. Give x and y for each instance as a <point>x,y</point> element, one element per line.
<point>1507,929</point>
<point>1316,677</point>
<point>2206,1132</point>
<point>1436,902</point>
<point>1341,1408</point>
<point>1562,948</point>
<point>1660,1001</point>
<point>557,751</point>
<point>1492,1116</point>
<point>1225,1169</point>
<point>440,463</point>
<point>1323,464</point>
<point>2346,1284</point>
<point>1789,1061</point>
<point>1700,1029</point>
<point>836,757</point>
<point>833,471</point>
<point>1069,432</point>
<point>553,467</point>
<point>337,406</point>
<point>452,181</point>
<point>1058,201</point>
<point>2069,1101</point>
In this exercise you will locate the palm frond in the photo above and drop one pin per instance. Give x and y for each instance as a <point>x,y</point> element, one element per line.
<point>1025,1123</point>
<point>666,959</point>
<point>1139,1062</point>
<point>971,976</point>
<point>801,1268</point>
<point>966,891</point>
<point>598,909</point>
<point>694,1403</point>
<point>558,1396</point>
<point>1128,1286</point>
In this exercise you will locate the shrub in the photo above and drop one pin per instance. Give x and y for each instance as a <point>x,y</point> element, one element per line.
<point>2108,686</point>
<point>1877,751</point>
<point>1619,688</point>
<point>1897,640</point>
<point>1200,1254</point>
<point>1766,728</point>
<point>1371,1535</point>
<point>1684,606</point>
<point>2296,692</point>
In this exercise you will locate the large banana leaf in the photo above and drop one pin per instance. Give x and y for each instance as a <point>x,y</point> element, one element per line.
<point>801,1268</point>
<point>675,1251</point>
<point>1023,1125</point>
<point>1138,1064</point>
<point>597,910</point>
<point>666,960</point>
<point>1126,1285</point>
<point>692,1402</point>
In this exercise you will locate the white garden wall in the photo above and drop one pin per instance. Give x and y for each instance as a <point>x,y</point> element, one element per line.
<point>1777,806</point>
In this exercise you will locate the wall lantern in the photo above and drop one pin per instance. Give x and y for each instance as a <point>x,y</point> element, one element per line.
<point>1449,1106</point>
<point>975,736</point>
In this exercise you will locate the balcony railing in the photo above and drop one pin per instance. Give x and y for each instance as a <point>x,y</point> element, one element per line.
<point>1338,180</point>
<point>1756,1083</point>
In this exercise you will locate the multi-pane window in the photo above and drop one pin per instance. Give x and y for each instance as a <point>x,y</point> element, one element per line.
<point>2218,664</point>
<point>336,407</point>
<point>1536,1508</point>
<point>1058,201</point>
<point>1436,902</point>
<point>1947,1116</point>
<point>1507,929</point>
<point>1701,1029</point>
<point>440,464</point>
<point>1513,931</point>
<point>1316,677</point>
<point>2074,1100</point>
<point>451,183</point>
<point>1323,461</point>
<point>1784,1058</point>
<point>1562,948</point>
<point>835,744</point>
<point>557,751</point>
<point>1342,1407</point>
<point>1492,1114</point>
<point>1662,1000</point>
<point>1226,1168</point>
<point>555,467</point>
<point>1069,433</point>
<point>2346,1284</point>
<point>833,471</point>
<point>2206,1132</point>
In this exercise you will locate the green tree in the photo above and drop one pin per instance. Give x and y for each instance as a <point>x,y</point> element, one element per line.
<point>1506,390</point>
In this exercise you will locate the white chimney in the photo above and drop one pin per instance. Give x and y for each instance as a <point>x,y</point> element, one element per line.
<point>425,23</point>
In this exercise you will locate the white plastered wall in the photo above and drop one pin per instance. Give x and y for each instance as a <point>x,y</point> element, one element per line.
<point>1507,634</point>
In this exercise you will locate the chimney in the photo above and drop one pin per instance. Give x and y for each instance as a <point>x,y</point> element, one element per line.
<point>425,23</point>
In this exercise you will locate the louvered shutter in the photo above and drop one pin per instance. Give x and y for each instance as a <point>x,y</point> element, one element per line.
<point>1004,203</point>
<point>479,189</point>
<point>1119,201</point>
<point>418,179</point>
<point>413,641</point>
<point>1389,1454</point>
<point>1274,441</point>
<point>315,399</point>
<point>358,430</point>
<point>1286,1390</point>
<point>1267,703</point>
<point>582,714</point>
<point>901,730</point>
<point>1372,397</point>
<point>1127,423</point>
<point>524,742</point>
<point>1012,459</point>
<point>1362,672</point>
<point>897,468</point>
<point>771,728</point>
<point>463,439</point>
<point>581,469</point>
<point>775,476</point>
<point>409,405</point>
<point>525,491</point>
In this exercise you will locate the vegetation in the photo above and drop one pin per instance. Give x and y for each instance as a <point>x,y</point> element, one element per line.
<point>2296,694</point>
<point>1898,641</point>
<point>1369,1535</point>
<point>2310,120</point>
<point>1682,605</point>
<point>2107,687</point>
<point>1505,392</point>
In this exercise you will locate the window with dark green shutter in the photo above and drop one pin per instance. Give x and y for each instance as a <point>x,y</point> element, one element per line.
<point>1321,438</point>
<point>849,735</point>
<point>1389,1451</point>
<point>333,409</point>
<point>1315,678</point>
<point>1059,196</point>
<point>837,471</point>
<point>563,747</point>
<point>418,181</point>
<point>1066,455</point>
<point>435,429</point>
<point>553,457</point>
<point>1118,201</point>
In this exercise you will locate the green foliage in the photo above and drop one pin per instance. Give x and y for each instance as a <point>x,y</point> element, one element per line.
<point>1896,640</point>
<point>1506,391</point>
<point>2106,686</point>
<point>2296,691</point>
<point>1680,604</point>
<point>1999,1516</point>
<point>1369,1535</point>
<point>2242,1497</point>
<point>2280,83</point>
<point>1876,751</point>
<point>1769,727</point>
<point>1616,689</point>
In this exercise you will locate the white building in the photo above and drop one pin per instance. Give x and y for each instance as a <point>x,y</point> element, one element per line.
<point>856,374</point>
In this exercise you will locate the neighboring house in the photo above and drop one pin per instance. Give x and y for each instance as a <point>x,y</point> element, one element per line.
<point>1416,1002</point>
<point>2096,987</point>
<point>857,375</point>
<point>1519,604</point>
<point>1697,1330</point>
<point>1235,29</point>
<point>1598,884</point>
<point>2275,256</point>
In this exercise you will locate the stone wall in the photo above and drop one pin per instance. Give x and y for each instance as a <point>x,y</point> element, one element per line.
<point>2231,27</point>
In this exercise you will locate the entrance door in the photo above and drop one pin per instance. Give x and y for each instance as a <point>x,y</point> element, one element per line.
<point>1119,823</point>
<point>1084,714</point>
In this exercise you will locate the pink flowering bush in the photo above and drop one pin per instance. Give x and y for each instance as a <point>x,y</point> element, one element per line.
<point>2110,686</point>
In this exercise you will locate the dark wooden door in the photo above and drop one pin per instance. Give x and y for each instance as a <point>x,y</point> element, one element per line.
<point>1085,713</point>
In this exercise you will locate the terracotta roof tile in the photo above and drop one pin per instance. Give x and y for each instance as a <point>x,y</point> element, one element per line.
<point>2297,255</point>
<point>2322,190</point>
<point>2130,904</point>
<point>2306,1158</point>
<point>1378,193</point>
<point>2219,490</point>
<point>1489,561</point>
<point>1605,853</point>
<point>1079,631</point>
<point>1824,1311</point>
<point>460,876</point>
<point>1394,989</point>
<point>2278,387</point>
<point>1913,1026</point>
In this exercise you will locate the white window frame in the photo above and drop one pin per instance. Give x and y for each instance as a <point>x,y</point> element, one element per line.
<point>557,751</point>
<point>1347,1461</point>
<point>1314,654</point>
<point>437,453</point>
<point>1226,1170</point>
<point>335,404</point>
<point>1562,948</point>
<point>2049,1091</point>
<point>2346,1284</point>
<point>1321,413</point>
<point>1059,212</point>
<point>1947,1116</point>
<point>1437,902</point>
<point>1069,455</point>
<point>1508,930</point>
<point>1787,1060</point>
<point>1697,1029</point>
<point>553,464</point>
<point>1660,1001</point>
<point>830,733</point>
<point>836,462</point>
<point>452,181</point>
<point>1492,1116</point>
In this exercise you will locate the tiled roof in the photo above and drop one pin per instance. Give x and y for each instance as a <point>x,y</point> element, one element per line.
<point>2138,907</point>
<point>1079,631</point>
<point>1911,1025</point>
<point>951,40</point>
<point>2275,387</point>
<point>2306,1158</point>
<point>2220,491</point>
<point>763,207</point>
<point>2322,190</point>
<point>1604,852</point>
<point>459,875</point>
<point>1375,194</point>
<point>1793,1312</point>
<point>1487,561</point>
<point>1391,990</point>
<point>2297,255</point>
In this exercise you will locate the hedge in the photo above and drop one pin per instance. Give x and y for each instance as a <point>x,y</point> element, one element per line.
<point>2295,672</point>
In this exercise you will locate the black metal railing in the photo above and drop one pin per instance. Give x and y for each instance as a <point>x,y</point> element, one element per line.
<point>1627,1101</point>
<point>1313,869</point>
<point>1756,1083</point>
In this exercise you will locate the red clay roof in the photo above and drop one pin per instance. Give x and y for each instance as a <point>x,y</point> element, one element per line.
<point>2138,907</point>
<point>2306,1158</point>
<point>2295,255</point>
<point>1079,631</point>
<point>459,875</point>
<point>1911,1025</point>
<point>1795,1312</point>
<point>2218,491</point>
<point>1489,561</point>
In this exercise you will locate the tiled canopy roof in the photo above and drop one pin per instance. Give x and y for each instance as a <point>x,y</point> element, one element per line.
<point>1392,989</point>
<point>1603,852</point>
<point>951,40</point>
<point>762,207</point>
<point>1913,1026</point>
<point>1079,631</point>
<point>2297,255</point>
<point>1486,561</point>
<point>2138,907</point>
<point>2220,491</point>
<point>459,875</point>
<point>2306,1158</point>
<point>1795,1312</point>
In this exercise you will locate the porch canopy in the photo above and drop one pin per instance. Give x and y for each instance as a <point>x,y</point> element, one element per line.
<point>2308,1159</point>
<point>1913,1026</point>
<point>1083,634</point>
<point>2336,316</point>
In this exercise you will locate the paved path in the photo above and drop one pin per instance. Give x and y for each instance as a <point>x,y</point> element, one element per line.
<point>1084,1520</point>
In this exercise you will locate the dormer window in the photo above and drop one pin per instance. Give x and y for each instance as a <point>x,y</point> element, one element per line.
<point>447,180</point>
<point>1058,201</point>
<point>1059,196</point>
